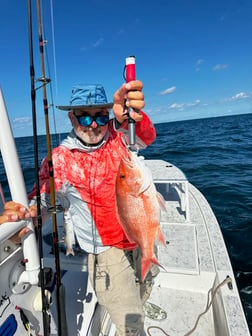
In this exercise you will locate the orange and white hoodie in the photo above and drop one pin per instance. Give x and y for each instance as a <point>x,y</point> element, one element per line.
<point>85,184</point>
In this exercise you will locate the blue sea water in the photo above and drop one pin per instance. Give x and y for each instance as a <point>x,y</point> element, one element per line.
<point>216,156</point>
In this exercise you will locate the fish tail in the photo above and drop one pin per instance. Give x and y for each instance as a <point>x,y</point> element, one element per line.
<point>70,251</point>
<point>146,265</point>
<point>161,202</point>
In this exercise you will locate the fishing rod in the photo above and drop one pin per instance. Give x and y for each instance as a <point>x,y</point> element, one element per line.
<point>45,304</point>
<point>130,74</point>
<point>60,289</point>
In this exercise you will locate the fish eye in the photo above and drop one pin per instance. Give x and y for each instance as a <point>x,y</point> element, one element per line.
<point>122,176</point>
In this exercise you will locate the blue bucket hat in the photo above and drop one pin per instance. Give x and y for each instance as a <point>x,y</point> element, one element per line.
<point>90,96</point>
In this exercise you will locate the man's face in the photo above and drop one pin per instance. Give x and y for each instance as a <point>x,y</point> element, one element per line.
<point>89,124</point>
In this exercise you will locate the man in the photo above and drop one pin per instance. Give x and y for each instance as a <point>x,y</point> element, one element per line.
<point>85,168</point>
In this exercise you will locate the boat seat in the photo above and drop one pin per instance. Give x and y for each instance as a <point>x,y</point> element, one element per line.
<point>181,252</point>
<point>178,236</point>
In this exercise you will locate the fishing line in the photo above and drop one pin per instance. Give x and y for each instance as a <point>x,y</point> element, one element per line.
<point>54,50</point>
<point>55,71</point>
<point>52,104</point>
<point>45,42</point>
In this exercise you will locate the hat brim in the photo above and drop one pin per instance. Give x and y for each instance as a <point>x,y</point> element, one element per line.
<point>90,107</point>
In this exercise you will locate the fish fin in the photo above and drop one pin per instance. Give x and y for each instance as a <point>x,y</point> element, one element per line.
<point>163,268</point>
<point>160,236</point>
<point>161,202</point>
<point>132,241</point>
<point>146,264</point>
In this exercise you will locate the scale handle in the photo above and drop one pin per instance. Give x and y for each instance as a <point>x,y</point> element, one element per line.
<point>131,75</point>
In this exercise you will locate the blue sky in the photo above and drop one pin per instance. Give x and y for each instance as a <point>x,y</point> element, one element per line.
<point>194,57</point>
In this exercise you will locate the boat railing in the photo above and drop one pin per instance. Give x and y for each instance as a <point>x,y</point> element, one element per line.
<point>9,229</point>
<point>18,194</point>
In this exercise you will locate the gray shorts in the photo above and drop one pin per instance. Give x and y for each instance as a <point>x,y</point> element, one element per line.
<point>115,275</point>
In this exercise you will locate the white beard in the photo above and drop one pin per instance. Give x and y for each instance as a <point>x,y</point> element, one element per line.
<point>91,136</point>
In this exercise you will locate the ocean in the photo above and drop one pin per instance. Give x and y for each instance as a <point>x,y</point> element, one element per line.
<point>216,156</point>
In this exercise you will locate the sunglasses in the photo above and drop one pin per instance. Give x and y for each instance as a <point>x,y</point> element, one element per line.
<point>86,120</point>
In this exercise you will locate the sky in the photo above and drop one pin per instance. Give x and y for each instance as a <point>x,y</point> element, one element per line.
<point>193,56</point>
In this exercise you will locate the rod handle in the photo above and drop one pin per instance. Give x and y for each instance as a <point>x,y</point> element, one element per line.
<point>131,75</point>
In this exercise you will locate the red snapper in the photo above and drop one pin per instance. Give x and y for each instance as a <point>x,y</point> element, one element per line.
<point>139,207</point>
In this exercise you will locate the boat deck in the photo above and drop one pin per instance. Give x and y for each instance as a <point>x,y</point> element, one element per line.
<point>182,308</point>
<point>181,288</point>
<point>195,261</point>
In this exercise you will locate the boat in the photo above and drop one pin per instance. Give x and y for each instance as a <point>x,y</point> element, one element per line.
<point>195,292</point>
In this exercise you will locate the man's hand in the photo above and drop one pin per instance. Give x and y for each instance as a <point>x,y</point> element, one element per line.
<point>131,95</point>
<point>15,211</point>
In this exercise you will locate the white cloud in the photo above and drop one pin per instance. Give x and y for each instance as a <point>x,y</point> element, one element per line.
<point>177,106</point>
<point>131,26</point>
<point>182,106</point>
<point>93,45</point>
<point>22,120</point>
<point>168,91</point>
<point>21,123</point>
<point>196,102</point>
<point>219,67</point>
<point>239,96</point>
<point>198,63</point>
<point>98,42</point>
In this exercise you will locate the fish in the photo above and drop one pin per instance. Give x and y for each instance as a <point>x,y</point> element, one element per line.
<point>69,237</point>
<point>138,207</point>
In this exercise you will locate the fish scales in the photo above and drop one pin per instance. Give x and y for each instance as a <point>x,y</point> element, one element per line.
<point>139,207</point>
<point>69,237</point>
